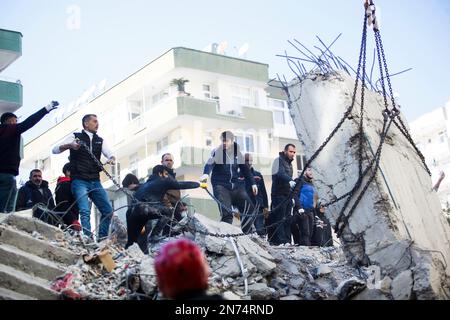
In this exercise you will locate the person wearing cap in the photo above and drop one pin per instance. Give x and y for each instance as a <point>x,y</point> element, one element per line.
<point>226,166</point>
<point>10,138</point>
<point>182,271</point>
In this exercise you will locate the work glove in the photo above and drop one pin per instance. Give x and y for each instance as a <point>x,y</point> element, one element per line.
<point>292,184</point>
<point>255,189</point>
<point>266,213</point>
<point>204,178</point>
<point>52,105</point>
<point>203,185</point>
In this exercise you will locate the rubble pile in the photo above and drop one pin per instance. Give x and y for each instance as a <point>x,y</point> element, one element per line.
<point>242,268</point>
<point>247,267</point>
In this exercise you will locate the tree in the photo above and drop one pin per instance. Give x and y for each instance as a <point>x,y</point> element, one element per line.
<point>179,83</point>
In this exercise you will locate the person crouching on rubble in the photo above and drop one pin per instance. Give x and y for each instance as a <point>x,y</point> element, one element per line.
<point>182,271</point>
<point>151,195</point>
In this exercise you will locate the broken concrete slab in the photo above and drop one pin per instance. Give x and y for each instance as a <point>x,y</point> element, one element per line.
<point>29,263</point>
<point>371,294</point>
<point>147,274</point>
<point>38,247</point>
<point>25,284</point>
<point>31,225</point>
<point>6,294</point>
<point>260,291</point>
<point>402,285</point>
<point>428,277</point>
<point>398,207</point>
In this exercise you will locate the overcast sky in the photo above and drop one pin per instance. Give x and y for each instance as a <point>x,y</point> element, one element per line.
<point>70,45</point>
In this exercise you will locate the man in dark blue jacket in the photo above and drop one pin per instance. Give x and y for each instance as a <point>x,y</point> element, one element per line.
<point>36,191</point>
<point>226,165</point>
<point>10,136</point>
<point>279,222</point>
<point>260,200</point>
<point>151,207</point>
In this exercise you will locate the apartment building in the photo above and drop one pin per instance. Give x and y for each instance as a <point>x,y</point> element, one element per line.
<point>430,132</point>
<point>147,114</point>
<point>11,91</point>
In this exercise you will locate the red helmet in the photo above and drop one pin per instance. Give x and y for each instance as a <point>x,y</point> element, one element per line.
<point>180,267</point>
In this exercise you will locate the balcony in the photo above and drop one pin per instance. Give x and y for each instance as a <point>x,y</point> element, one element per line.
<point>10,96</point>
<point>209,109</point>
<point>10,47</point>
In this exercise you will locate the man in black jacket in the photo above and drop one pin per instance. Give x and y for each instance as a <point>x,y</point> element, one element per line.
<point>151,207</point>
<point>85,173</point>
<point>279,229</point>
<point>260,200</point>
<point>10,136</point>
<point>226,165</point>
<point>65,201</point>
<point>36,191</point>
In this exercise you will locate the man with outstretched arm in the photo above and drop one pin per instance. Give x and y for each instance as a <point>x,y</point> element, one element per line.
<point>10,136</point>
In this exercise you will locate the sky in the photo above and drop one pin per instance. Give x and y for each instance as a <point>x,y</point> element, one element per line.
<point>70,45</point>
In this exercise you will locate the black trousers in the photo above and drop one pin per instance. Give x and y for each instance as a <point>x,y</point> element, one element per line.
<point>279,221</point>
<point>237,197</point>
<point>139,216</point>
<point>303,227</point>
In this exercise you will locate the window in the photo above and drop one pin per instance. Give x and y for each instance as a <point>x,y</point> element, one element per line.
<point>240,97</point>
<point>246,142</point>
<point>207,91</point>
<point>134,160</point>
<point>135,106</point>
<point>160,96</point>
<point>441,137</point>
<point>280,112</point>
<point>301,161</point>
<point>278,117</point>
<point>161,144</point>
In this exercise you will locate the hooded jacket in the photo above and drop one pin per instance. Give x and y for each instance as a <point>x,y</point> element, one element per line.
<point>226,166</point>
<point>65,201</point>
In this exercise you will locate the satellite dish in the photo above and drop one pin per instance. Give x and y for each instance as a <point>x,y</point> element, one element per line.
<point>208,48</point>
<point>222,46</point>
<point>243,49</point>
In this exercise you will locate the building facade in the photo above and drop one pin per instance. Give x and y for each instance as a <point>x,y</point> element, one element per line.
<point>146,115</point>
<point>430,132</point>
<point>11,91</point>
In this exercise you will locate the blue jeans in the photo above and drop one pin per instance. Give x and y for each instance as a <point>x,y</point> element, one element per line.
<point>8,192</point>
<point>82,189</point>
